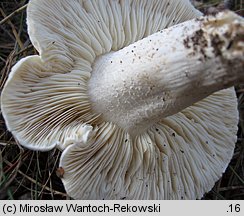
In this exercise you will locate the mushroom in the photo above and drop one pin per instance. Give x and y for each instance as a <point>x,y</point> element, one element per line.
<point>137,95</point>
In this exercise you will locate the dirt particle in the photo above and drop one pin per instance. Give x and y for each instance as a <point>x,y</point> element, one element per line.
<point>198,43</point>
<point>229,45</point>
<point>60,172</point>
<point>217,44</point>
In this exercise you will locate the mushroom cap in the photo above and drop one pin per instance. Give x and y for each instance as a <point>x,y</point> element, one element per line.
<point>180,157</point>
<point>52,108</point>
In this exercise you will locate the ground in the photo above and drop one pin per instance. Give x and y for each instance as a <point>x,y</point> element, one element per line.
<point>26,174</point>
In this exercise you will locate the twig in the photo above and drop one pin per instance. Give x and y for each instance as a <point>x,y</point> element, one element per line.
<point>21,45</point>
<point>12,14</point>
<point>6,68</point>
<point>2,59</point>
<point>218,188</point>
<point>50,174</point>
<point>7,143</point>
<point>13,174</point>
<point>236,174</point>
<point>1,166</point>
<point>38,183</point>
<point>24,156</point>
<point>231,188</point>
<point>23,50</point>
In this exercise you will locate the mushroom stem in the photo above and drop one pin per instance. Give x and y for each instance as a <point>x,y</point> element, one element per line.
<point>168,71</point>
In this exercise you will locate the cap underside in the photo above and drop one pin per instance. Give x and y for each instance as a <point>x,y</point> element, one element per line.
<point>45,105</point>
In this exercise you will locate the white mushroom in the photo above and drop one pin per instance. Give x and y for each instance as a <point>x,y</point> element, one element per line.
<point>136,105</point>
